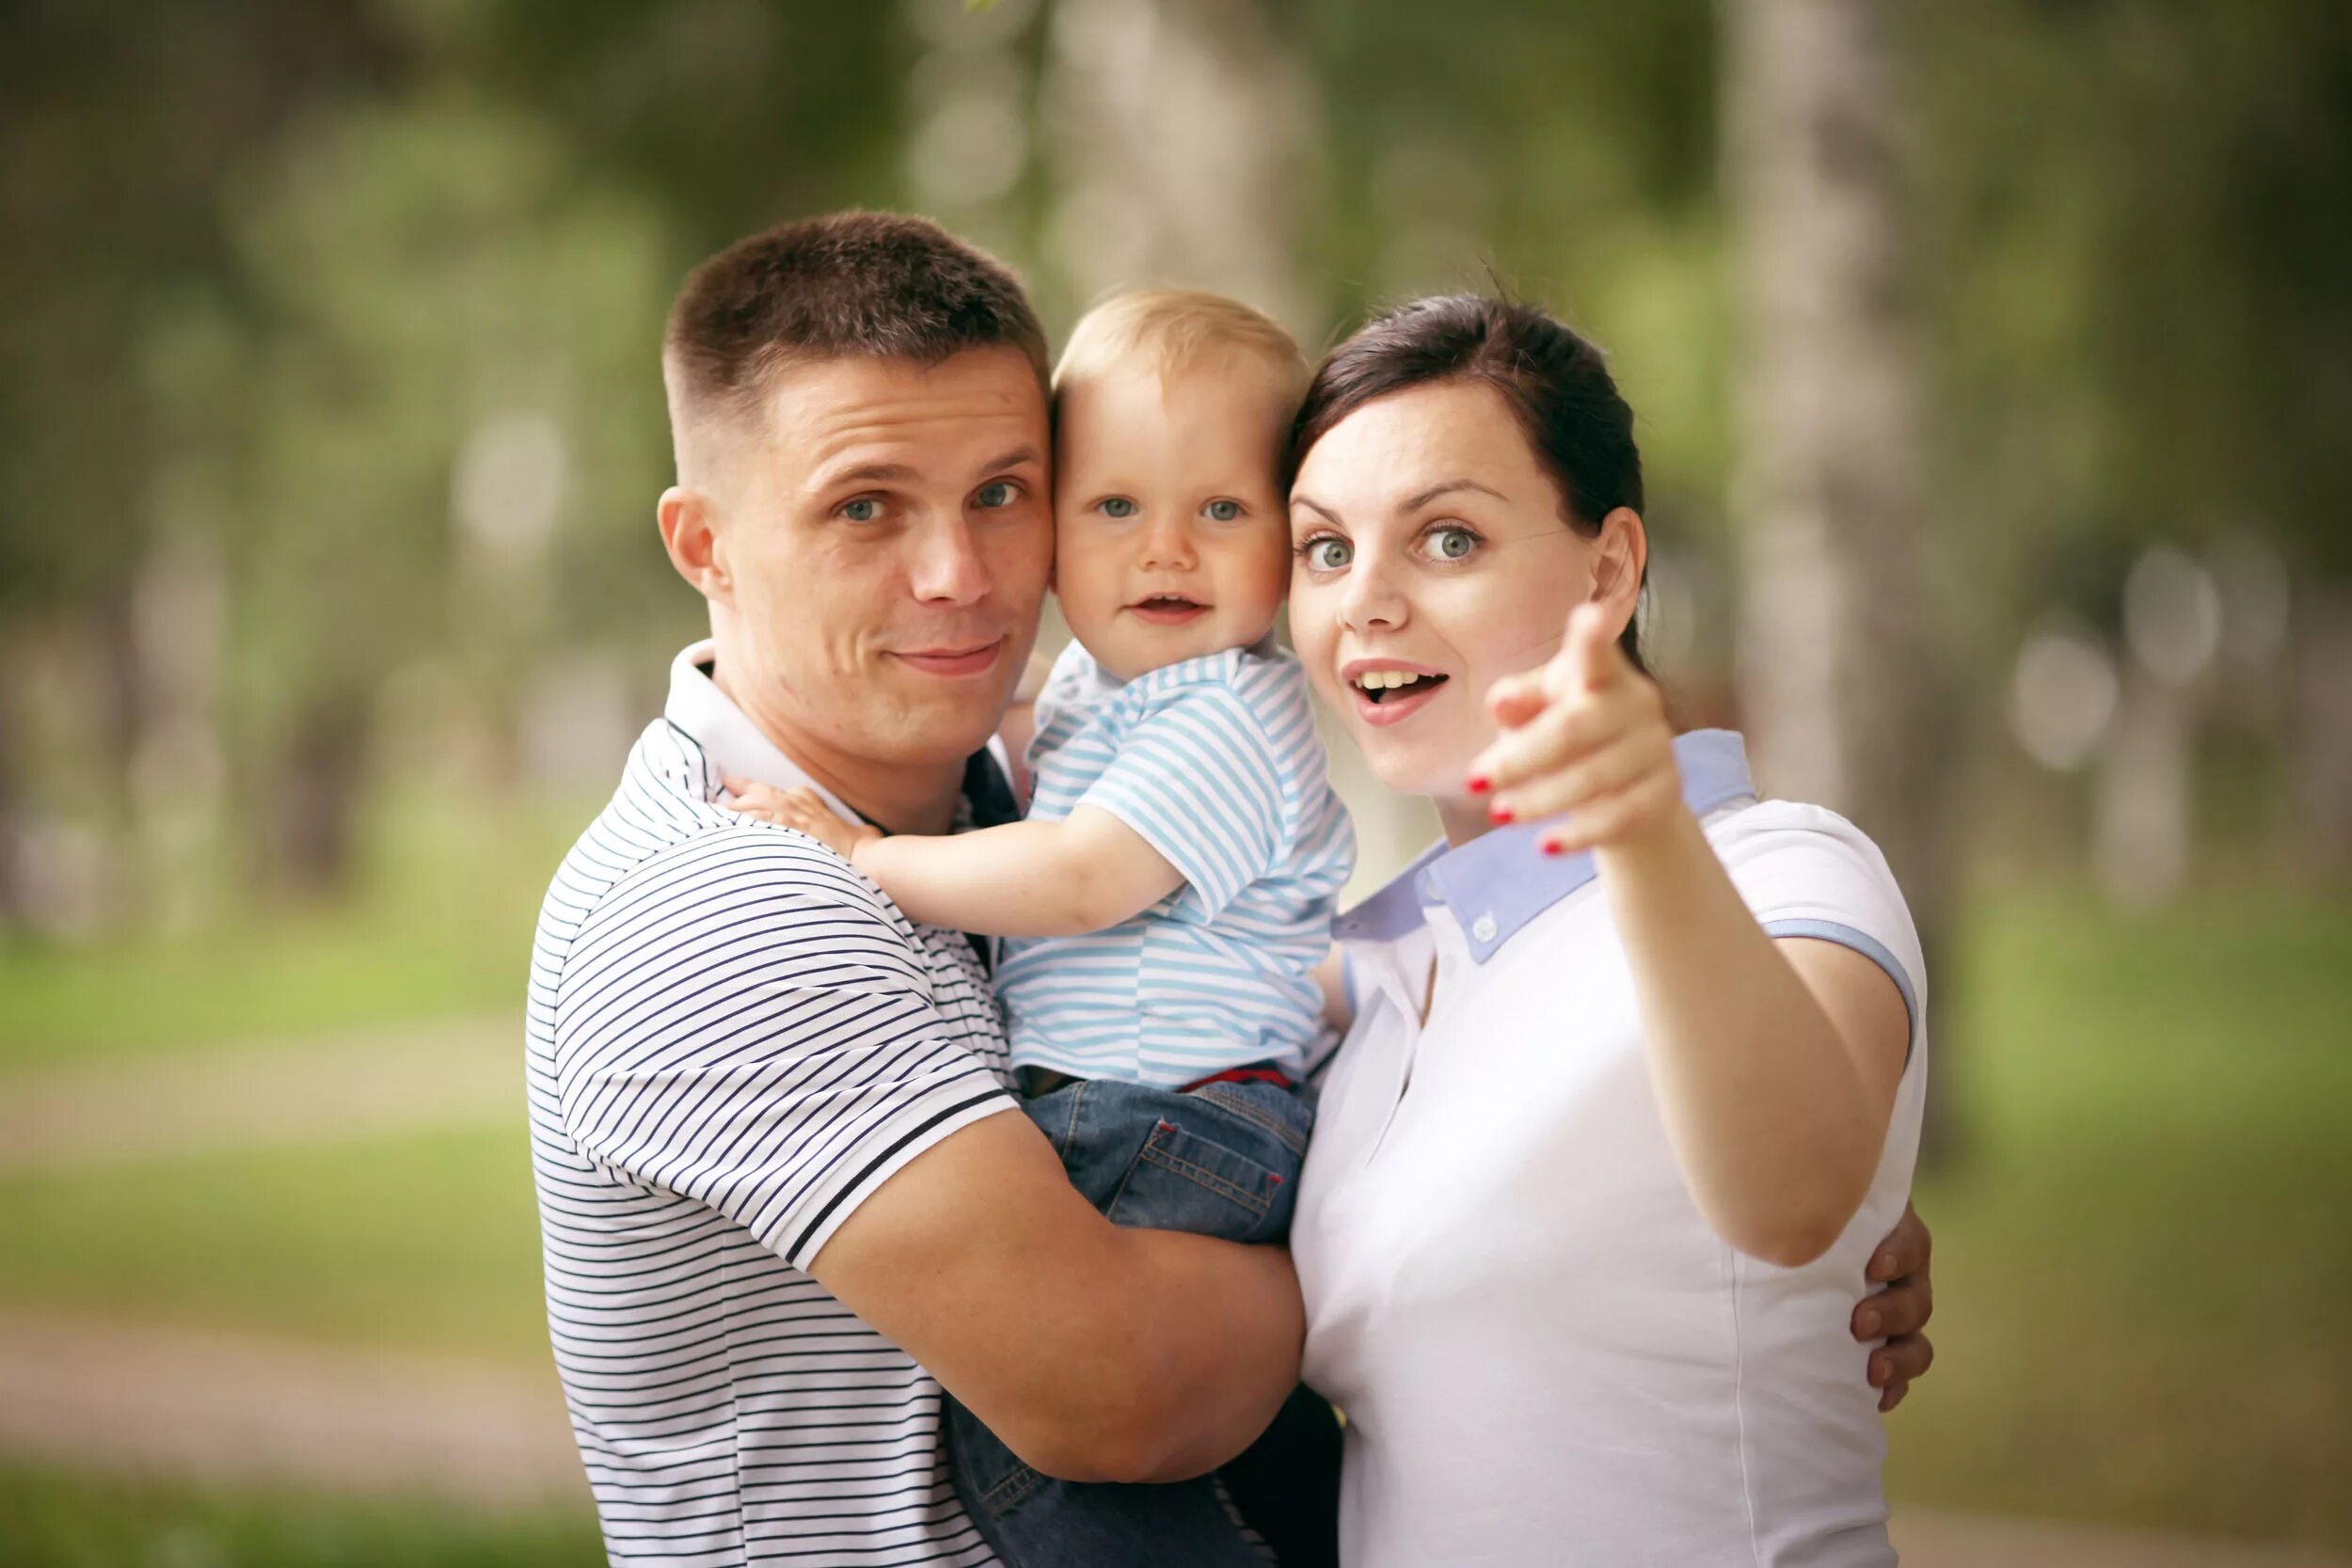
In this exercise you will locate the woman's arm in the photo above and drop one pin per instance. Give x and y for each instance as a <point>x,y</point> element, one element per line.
<point>1085,873</point>
<point>1776,1063</point>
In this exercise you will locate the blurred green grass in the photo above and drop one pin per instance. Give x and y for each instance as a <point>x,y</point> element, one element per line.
<point>2142,1262</point>
<point>439,923</point>
<point>54,1519</point>
<point>427,1241</point>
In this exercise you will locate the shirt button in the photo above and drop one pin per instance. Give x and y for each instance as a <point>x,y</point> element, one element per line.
<point>1484,927</point>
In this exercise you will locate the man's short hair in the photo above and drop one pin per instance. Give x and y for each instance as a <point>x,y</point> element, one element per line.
<point>1173,330</point>
<point>847,285</point>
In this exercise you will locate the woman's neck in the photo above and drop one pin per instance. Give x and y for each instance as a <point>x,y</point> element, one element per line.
<point>1463,818</point>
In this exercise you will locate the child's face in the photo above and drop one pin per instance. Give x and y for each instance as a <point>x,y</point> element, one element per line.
<point>1171,538</point>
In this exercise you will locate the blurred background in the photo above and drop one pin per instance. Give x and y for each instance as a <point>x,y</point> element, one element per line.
<point>1994,368</point>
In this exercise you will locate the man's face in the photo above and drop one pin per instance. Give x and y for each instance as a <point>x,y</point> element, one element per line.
<point>886,543</point>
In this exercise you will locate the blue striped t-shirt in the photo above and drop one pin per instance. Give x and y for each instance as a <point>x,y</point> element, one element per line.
<point>1215,763</point>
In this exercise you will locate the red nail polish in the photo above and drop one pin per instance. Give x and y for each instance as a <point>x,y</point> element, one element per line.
<point>1479,783</point>
<point>1501,815</point>
<point>1553,847</point>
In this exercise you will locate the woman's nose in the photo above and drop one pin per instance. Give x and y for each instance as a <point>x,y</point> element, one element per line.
<point>1369,598</point>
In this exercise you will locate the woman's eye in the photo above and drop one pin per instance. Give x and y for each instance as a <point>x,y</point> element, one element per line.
<point>1118,506</point>
<point>1453,543</point>
<point>991,497</point>
<point>865,508</point>
<point>1223,511</point>
<point>1327,554</point>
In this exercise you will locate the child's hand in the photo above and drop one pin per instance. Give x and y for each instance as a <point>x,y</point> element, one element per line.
<point>1586,735</point>
<point>800,809</point>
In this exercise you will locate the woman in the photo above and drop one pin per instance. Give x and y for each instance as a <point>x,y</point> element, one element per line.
<point>1631,1092</point>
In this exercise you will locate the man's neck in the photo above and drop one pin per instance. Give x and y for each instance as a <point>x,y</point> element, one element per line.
<point>904,798</point>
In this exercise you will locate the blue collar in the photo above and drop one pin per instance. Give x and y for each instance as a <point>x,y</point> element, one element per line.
<point>1497,882</point>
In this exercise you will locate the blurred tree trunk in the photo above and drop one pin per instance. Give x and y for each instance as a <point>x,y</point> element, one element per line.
<point>1180,140</point>
<point>1837,661</point>
<point>311,805</point>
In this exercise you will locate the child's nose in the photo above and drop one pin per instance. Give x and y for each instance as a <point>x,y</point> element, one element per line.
<point>1167,545</point>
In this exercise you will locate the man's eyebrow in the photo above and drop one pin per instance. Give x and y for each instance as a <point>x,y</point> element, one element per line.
<point>871,473</point>
<point>1014,459</point>
<point>1415,502</point>
<point>1315,506</point>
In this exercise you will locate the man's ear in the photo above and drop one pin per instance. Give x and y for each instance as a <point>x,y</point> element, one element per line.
<point>689,532</point>
<point>1619,557</point>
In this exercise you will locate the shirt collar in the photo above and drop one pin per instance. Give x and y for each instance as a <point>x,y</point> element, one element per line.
<point>1498,882</point>
<point>731,743</point>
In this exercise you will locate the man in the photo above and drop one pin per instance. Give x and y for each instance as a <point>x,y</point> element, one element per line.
<point>779,1203</point>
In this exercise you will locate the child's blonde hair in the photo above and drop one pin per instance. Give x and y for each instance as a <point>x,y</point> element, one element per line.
<point>1175,330</point>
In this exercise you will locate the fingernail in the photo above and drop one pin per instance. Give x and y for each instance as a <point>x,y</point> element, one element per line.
<point>1886,1264</point>
<point>1869,1322</point>
<point>1500,813</point>
<point>1553,846</point>
<point>1479,783</point>
<point>1878,1371</point>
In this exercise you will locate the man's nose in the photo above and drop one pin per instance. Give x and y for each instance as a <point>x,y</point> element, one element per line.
<point>947,566</point>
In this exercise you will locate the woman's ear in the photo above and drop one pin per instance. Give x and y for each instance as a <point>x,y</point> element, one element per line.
<point>1620,555</point>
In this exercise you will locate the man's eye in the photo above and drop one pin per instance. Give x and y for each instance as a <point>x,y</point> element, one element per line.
<point>865,508</point>
<point>1118,506</point>
<point>1327,554</point>
<point>1223,511</point>
<point>991,497</point>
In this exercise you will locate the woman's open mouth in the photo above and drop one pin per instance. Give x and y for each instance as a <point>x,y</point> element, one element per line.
<point>1170,609</point>
<point>1385,696</point>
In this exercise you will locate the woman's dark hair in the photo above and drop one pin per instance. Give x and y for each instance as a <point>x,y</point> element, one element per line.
<point>1554,382</point>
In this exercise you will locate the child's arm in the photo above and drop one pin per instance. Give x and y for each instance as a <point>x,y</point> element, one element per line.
<point>1086,873</point>
<point>1776,1062</point>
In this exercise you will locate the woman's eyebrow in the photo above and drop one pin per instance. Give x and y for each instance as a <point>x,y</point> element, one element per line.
<point>1415,502</point>
<point>1315,506</point>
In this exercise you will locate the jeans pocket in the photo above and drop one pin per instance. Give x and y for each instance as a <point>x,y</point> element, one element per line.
<point>1184,1180</point>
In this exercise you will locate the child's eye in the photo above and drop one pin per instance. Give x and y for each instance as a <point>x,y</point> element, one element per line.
<point>1223,511</point>
<point>1326,553</point>
<point>1116,506</point>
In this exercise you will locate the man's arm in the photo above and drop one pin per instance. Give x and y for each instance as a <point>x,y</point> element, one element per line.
<point>1096,1353</point>
<point>744,1027</point>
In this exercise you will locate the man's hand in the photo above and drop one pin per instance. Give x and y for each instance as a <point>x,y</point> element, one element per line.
<point>801,810</point>
<point>1900,1313</point>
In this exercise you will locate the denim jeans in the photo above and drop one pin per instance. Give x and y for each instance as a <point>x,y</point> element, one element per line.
<point>1221,1160</point>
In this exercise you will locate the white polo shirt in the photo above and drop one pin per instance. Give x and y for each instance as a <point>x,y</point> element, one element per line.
<point>1544,1353</point>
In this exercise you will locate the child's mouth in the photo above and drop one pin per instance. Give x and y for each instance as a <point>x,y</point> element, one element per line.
<point>1169,609</point>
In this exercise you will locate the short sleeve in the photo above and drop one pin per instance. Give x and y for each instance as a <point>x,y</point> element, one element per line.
<point>1808,872</point>
<point>739,1025</point>
<point>1198,778</point>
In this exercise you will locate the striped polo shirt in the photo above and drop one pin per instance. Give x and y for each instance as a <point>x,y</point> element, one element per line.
<point>1215,762</point>
<point>733,1041</point>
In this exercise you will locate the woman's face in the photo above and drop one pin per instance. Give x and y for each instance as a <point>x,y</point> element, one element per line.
<point>1432,544</point>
